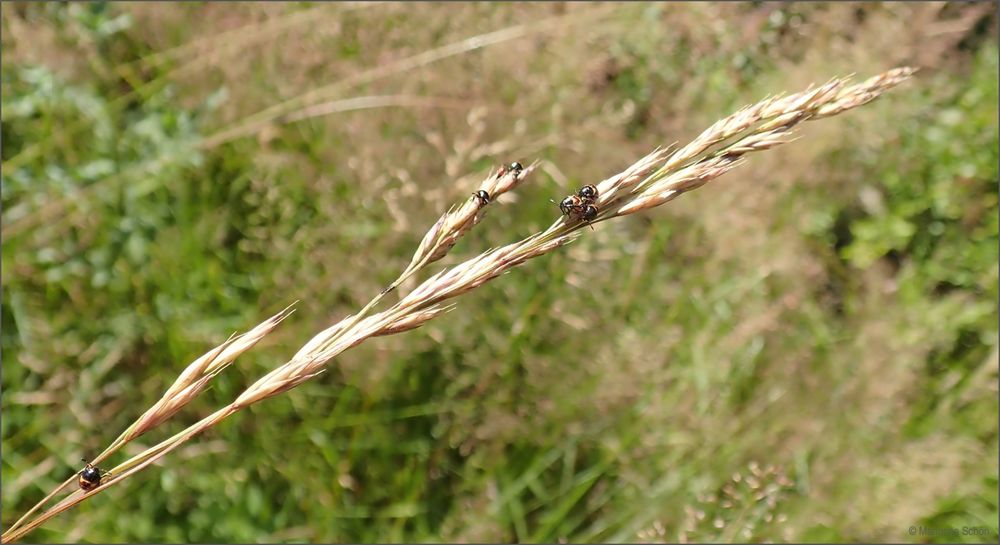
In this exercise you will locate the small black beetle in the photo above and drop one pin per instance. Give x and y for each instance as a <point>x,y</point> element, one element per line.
<point>588,193</point>
<point>483,196</point>
<point>90,477</point>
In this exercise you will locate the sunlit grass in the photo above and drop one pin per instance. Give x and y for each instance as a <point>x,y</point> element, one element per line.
<point>831,312</point>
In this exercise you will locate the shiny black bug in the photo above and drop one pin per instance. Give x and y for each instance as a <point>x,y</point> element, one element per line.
<point>576,207</point>
<point>90,477</point>
<point>482,196</point>
<point>570,205</point>
<point>588,193</point>
<point>514,167</point>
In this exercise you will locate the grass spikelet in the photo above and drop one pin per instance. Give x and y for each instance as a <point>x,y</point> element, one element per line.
<point>653,180</point>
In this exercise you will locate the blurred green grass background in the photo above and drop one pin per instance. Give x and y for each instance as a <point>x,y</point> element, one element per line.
<point>805,349</point>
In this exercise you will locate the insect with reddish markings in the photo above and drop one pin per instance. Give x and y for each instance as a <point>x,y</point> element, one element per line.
<point>90,477</point>
<point>588,193</point>
<point>570,205</point>
<point>579,208</point>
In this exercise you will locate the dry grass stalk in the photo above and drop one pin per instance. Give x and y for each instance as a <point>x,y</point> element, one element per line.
<point>255,122</point>
<point>653,180</point>
<point>193,379</point>
<point>187,386</point>
<point>457,221</point>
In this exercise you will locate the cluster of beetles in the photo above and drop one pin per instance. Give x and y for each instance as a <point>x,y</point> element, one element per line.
<point>581,206</point>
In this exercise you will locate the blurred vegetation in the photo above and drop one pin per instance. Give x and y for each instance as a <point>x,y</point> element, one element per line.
<point>803,350</point>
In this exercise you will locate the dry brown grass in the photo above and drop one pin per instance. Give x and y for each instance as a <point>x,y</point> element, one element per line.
<point>652,181</point>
